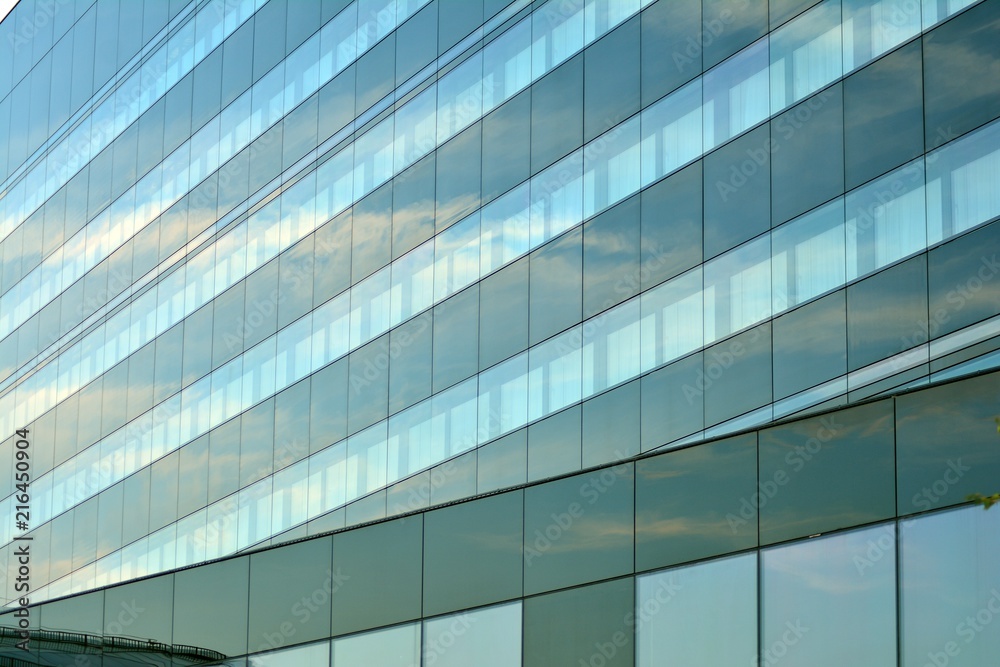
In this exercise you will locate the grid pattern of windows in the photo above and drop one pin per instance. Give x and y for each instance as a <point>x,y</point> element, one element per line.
<point>274,268</point>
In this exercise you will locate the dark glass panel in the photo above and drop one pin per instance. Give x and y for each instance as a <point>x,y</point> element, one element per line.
<point>192,476</point>
<point>962,276</point>
<point>372,233</point>
<point>738,191</point>
<point>291,424</point>
<point>557,114</point>
<point>368,398</point>
<point>290,593</point>
<point>727,26</point>
<point>671,53</point>
<point>456,19</point>
<point>237,62</point>
<point>610,257</point>
<point>336,103</point>
<point>503,462</point>
<point>416,42</point>
<point>380,569</point>
<point>332,270</point>
<point>586,625</point>
<point>556,286</point>
<point>957,96</point>
<point>376,73</point>
<point>579,529</point>
<point>611,79</point>
<point>141,609</point>
<point>887,313</point>
<point>459,182</point>
<point>269,37</point>
<point>472,553</point>
<point>223,459</point>
<point>210,606</point>
<point>810,345</point>
<point>456,349</point>
<point>671,228</point>
<point>328,405</point>
<point>696,502</point>
<point>806,465</point>
<point>736,376</point>
<point>413,206</point>
<point>503,322</point>
<point>672,406</point>
<point>410,362</point>
<point>611,425</point>
<point>554,445</point>
<point>506,146</point>
<point>946,443</point>
<point>163,491</point>
<point>257,443</point>
<point>83,614</point>
<point>802,138</point>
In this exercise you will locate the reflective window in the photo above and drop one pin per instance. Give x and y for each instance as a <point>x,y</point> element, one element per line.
<point>731,25</point>
<point>506,146</point>
<point>946,574</point>
<point>803,466</point>
<point>459,177</point>
<point>503,323</point>
<point>738,289</point>
<point>610,257</point>
<point>578,529</point>
<point>696,503</point>
<point>472,555</point>
<point>556,286</point>
<point>946,442</point>
<point>210,606</point>
<point>410,363</point>
<point>315,655</point>
<point>663,66</point>
<point>413,206</point>
<point>671,132</point>
<point>456,352</point>
<point>393,647</point>
<point>680,614</point>
<point>569,626</point>
<point>953,53</point>
<point>488,637</point>
<point>380,570</point>
<point>807,256</point>
<point>885,313</point>
<point>503,462</point>
<point>810,345</point>
<point>611,79</point>
<point>556,110</point>
<point>815,593</point>
<point>963,263</point>
<point>368,396</point>
<point>738,191</point>
<point>154,597</point>
<point>673,403</point>
<point>740,373</point>
<point>806,55</point>
<point>554,445</point>
<point>611,426</point>
<point>670,228</point>
<point>736,94</point>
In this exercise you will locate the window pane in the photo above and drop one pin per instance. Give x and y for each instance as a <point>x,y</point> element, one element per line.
<point>805,54</point>
<point>394,647</point>
<point>736,95</point>
<point>487,638</point>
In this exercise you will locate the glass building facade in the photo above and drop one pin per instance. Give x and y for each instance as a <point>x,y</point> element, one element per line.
<point>499,332</point>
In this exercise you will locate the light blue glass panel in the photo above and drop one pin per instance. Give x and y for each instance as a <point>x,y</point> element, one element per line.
<point>681,614</point>
<point>293,360</point>
<point>935,11</point>
<point>557,198</point>
<point>268,101</point>
<point>950,588</point>
<point>456,257</point>
<point>373,158</point>
<point>806,54</point>
<point>290,500</point>
<point>807,256</point>
<point>611,167</point>
<point>335,184</point>
<point>366,461</point>
<point>488,637</point>
<point>313,655</point>
<point>736,94</point>
<point>298,211</point>
<point>410,441</point>
<point>227,391</point>
<point>302,72</point>
<point>671,132</point>
<point>460,98</point>
<point>507,65</point>
<point>505,229</point>
<point>258,372</point>
<point>886,220</point>
<point>416,123</point>
<point>872,28</point>
<point>556,34</point>
<point>370,307</point>
<point>817,592</point>
<point>601,16</point>
<point>254,522</point>
<point>328,479</point>
<point>611,348</point>
<point>263,234</point>
<point>413,282</point>
<point>961,183</point>
<point>190,541</point>
<point>738,289</point>
<point>331,330</point>
<point>393,647</point>
<point>555,373</point>
<point>454,419</point>
<point>503,397</point>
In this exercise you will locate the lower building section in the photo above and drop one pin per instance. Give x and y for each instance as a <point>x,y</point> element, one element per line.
<point>838,539</point>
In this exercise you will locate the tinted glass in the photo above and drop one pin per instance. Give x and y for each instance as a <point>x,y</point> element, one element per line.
<point>328,405</point>
<point>503,324</point>
<point>945,571</point>
<point>956,99</point>
<point>371,233</point>
<point>456,352</point>
<point>368,397</point>
<point>696,502</point>
<point>210,606</point>
<point>883,115</point>
<point>664,26</point>
<point>83,614</point>
<point>962,280</point>
<point>611,426</point>
<point>610,257</point>
<point>736,376</point>
<point>506,146</point>
<point>416,42</point>
<point>557,114</point>
<point>503,462</point>
<point>681,614</point>
<point>810,345</point>
<point>472,553</point>
<point>413,206</point>
<point>380,567</point>
<point>946,441</point>
<point>728,26</point>
<point>671,227</point>
<point>290,591</point>
<point>738,191</point>
<point>672,404</point>
<point>394,647</point>
<point>487,637</point>
<point>587,624</point>
<point>376,73</point>
<point>805,465</point>
<point>556,286</point>
<point>578,529</point>
<point>611,79</point>
<point>886,312</point>
<point>332,272</point>
<point>459,177</point>
<point>799,136</point>
<point>554,445</point>
<point>141,609</point>
<point>410,363</point>
<point>815,593</point>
